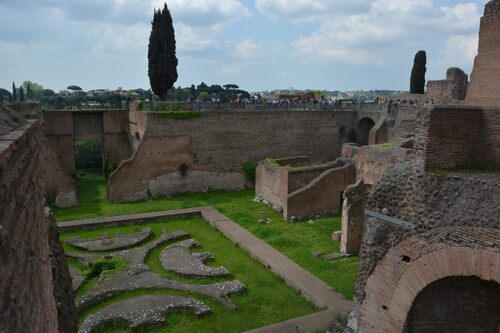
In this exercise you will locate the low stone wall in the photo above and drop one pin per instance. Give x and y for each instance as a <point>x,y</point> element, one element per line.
<point>373,161</point>
<point>323,195</point>
<point>271,183</point>
<point>26,282</point>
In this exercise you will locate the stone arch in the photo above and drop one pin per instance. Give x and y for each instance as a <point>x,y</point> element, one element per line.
<point>419,261</point>
<point>363,128</point>
<point>464,304</point>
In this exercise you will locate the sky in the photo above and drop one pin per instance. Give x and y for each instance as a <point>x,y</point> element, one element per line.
<point>257,44</point>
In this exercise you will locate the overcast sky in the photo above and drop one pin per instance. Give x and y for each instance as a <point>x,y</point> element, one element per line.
<point>258,44</point>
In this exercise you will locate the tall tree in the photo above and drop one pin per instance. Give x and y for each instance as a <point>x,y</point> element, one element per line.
<point>162,69</point>
<point>14,92</point>
<point>21,94</point>
<point>417,80</point>
<point>29,92</point>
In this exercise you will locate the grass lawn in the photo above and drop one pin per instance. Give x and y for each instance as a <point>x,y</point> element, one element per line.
<point>267,300</point>
<point>299,241</point>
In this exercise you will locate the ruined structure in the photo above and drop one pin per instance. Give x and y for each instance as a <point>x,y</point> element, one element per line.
<point>484,88</point>
<point>32,265</point>
<point>453,88</point>
<point>427,219</point>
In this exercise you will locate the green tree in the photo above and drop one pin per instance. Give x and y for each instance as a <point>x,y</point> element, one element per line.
<point>5,95</point>
<point>21,94</point>
<point>204,96</point>
<point>33,90</point>
<point>162,67</point>
<point>193,91</point>
<point>29,92</point>
<point>48,92</point>
<point>231,86</point>
<point>417,80</point>
<point>14,92</point>
<point>73,87</point>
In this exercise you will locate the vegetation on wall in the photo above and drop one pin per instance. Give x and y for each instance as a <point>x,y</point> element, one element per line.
<point>88,155</point>
<point>162,68</point>
<point>249,170</point>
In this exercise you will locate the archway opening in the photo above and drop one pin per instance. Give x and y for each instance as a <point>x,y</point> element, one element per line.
<point>456,304</point>
<point>363,131</point>
<point>89,158</point>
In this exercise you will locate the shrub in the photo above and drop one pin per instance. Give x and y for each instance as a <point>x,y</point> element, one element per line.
<point>97,267</point>
<point>249,170</point>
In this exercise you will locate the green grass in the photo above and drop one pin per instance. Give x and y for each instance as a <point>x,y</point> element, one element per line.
<point>298,241</point>
<point>267,300</point>
<point>468,165</point>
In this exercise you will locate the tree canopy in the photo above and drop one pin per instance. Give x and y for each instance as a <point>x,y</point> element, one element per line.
<point>417,80</point>
<point>162,61</point>
<point>73,87</point>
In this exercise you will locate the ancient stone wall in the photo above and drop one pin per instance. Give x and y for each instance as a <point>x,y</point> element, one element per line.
<point>447,136</point>
<point>489,141</point>
<point>484,88</point>
<point>322,196</point>
<point>26,282</point>
<point>453,88</point>
<point>206,152</point>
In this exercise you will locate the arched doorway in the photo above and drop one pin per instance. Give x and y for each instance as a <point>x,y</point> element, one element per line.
<point>441,259</point>
<point>363,130</point>
<point>456,304</point>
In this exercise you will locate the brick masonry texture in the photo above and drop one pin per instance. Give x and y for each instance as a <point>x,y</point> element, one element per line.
<point>26,300</point>
<point>444,136</point>
<point>214,146</point>
<point>484,87</point>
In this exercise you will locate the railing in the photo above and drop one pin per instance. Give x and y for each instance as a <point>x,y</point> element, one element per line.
<point>390,220</point>
<point>289,107</point>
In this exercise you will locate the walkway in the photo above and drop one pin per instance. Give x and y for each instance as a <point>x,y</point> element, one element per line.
<point>312,288</point>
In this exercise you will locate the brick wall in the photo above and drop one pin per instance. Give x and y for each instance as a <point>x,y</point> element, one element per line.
<point>26,291</point>
<point>484,88</point>
<point>448,135</point>
<point>215,145</point>
<point>489,141</point>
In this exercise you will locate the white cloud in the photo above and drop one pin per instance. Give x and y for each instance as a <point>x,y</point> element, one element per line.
<point>248,50</point>
<point>205,13</point>
<point>460,50</point>
<point>309,10</point>
<point>368,37</point>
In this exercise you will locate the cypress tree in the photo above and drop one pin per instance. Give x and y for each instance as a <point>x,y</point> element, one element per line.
<point>162,69</point>
<point>417,80</point>
<point>29,92</point>
<point>21,94</point>
<point>14,92</point>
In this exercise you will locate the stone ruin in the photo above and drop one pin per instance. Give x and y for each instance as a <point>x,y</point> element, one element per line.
<point>484,87</point>
<point>175,258</point>
<point>450,90</point>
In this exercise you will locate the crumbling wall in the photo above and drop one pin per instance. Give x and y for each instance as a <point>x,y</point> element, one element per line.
<point>451,89</point>
<point>484,87</point>
<point>219,143</point>
<point>26,282</point>
<point>271,183</point>
<point>323,195</point>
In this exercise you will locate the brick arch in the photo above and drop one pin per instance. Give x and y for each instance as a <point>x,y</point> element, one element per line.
<point>417,262</point>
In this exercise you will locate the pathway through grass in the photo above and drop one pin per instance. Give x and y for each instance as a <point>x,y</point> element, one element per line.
<point>301,242</point>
